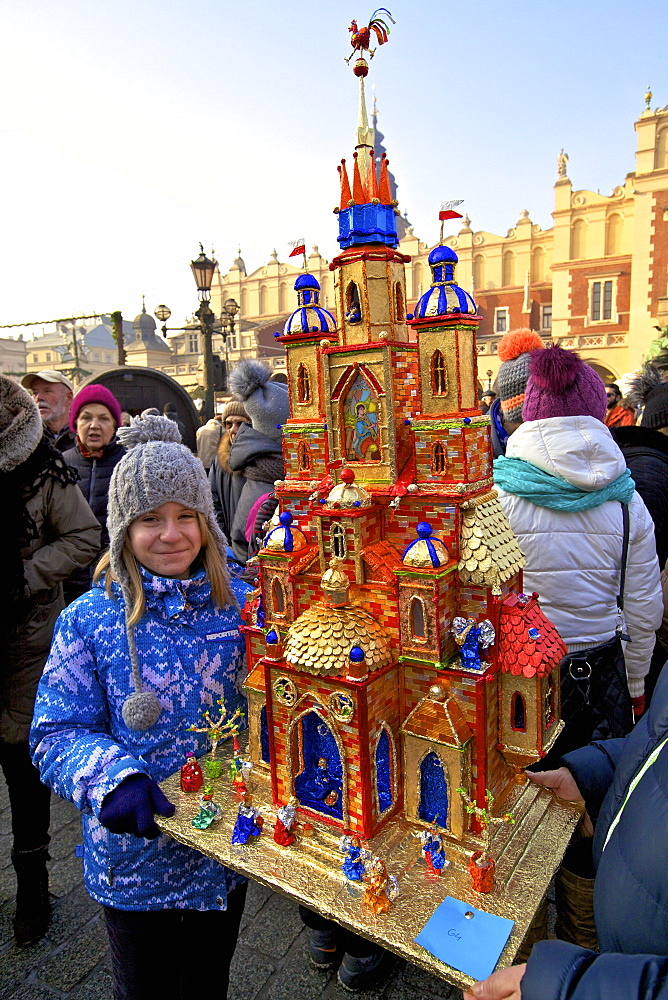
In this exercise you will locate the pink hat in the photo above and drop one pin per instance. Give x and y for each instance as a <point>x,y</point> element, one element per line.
<point>562,385</point>
<point>94,394</point>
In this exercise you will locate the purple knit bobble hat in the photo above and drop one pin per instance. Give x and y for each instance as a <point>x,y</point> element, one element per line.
<point>562,385</point>
<point>95,394</point>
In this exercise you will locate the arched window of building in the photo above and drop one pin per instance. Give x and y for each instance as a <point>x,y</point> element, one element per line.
<point>303,457</point>
<point>277,597</point>
<point>578,239</point>
<point>550,696</point>
<point>518,713</point>
<point>538,264</point>
<point>399,301</point>
<point>661,152</point>
<point>439,378</point>
<point>263,300</point>
<point>417,279</point>
<point>303,385</point>
<point>508,268</point>
<point>479,271</point>
<point>613,235</point>
<point>282,297</point>
<point>417,619</point>
<point>384,782</point>
<point>360,419</point>
<point>243,311</point>
<point>353,304</point>
<point>433,791</point>
<point>265,752</point>
<point>338,537</point>
<point>438,458</point>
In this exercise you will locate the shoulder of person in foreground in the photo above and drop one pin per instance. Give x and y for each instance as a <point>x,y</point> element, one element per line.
<point>557,970</point>
<point>69,739</point>
<point>72,538</point>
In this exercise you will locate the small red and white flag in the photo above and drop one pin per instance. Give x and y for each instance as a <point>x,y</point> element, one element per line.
<point>447,210</point>
<point>298,246</point>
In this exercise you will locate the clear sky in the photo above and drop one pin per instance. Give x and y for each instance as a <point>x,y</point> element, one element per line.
<point>132,130</point>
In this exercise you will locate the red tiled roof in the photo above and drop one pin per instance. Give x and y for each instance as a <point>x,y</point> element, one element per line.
<point>519,654</point>
<point>383,558</point>
<point>301,562</point>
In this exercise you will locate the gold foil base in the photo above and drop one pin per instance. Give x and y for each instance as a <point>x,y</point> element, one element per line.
<point>527,855</point>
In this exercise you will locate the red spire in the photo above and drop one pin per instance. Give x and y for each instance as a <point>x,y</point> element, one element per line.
<point>385,189</point>
<point>359,194</point>
<point>346,196</point>
<point>374,191</point>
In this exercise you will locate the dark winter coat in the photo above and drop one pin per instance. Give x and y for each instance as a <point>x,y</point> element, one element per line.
<point>94,479</point>
<point>63,440</point>
<point>67,537</point>
<point>631,888</point>
<point>645,452</point>
<point>226,486</point>
<point>260,460</point>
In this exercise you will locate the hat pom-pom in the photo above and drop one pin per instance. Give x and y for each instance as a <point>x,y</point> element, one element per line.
<point>555,369</point>
<point>518,342</point>
<point>148,428</point>
<point>649,379</point>
<point>141,710</point>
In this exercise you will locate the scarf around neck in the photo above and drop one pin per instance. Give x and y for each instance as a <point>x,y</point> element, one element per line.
<point>525,480</point>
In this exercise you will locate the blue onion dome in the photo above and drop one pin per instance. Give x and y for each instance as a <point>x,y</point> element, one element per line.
<point>445,296</point>
<point>287,537</point>
<point>271,637</point>
<point>426,550</point>
<point>309,316</point>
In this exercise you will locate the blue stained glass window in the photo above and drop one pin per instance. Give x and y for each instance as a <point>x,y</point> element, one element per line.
<point>264,736</point>
<point>320,784</point>
<point>383,772</point>
<point>433,791</point>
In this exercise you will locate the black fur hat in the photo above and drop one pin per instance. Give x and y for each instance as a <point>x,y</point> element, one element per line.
<point>650,391</point>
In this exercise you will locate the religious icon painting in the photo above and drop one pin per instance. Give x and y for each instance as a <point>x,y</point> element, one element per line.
<point>361,411</point>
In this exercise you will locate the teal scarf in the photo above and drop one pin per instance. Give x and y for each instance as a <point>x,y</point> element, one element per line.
<point>525,480</point>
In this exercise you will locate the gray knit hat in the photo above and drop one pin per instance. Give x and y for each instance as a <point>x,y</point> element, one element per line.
<point>514,349</point>
<point>21,426</point>
<point>266,402</point>
<point>156,469</point>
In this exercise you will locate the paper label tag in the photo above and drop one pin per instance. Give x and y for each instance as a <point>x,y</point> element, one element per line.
<point>465,938</point>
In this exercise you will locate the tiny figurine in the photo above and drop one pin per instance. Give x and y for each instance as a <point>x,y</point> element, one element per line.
<point>471,638</point>
<point>432,850</point>
<point>248,823</point>
<point>319,785</point>
<point>285,822</point>
<point>218,729</point>
<point>239,771</point>
<point>481,867</point>
<point>381,888</point>
<point>213,768</point>
<point>353,866</point>
<point>209,811</point>
<point>192,778</point>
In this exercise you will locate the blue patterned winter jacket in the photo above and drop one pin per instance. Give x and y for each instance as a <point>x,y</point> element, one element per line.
<point>190,654</point>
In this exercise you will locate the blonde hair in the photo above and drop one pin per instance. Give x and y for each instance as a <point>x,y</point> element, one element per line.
<point>221,593</point>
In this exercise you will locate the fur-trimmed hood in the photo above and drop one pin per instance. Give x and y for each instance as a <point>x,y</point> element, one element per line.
<point>20,425</point>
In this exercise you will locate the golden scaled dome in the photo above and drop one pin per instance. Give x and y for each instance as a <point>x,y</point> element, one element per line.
<point>334,578</point>
<point>321,639</point>
<point>347,494</point>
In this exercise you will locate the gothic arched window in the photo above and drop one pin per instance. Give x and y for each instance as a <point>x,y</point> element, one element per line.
<point>303,385</point>
<point>438,458</point>
<point>303,457</point>
<point>518,713</point>
<point>278,597</point>
<point>353,304</point>
<point>417,619</point>
<point>439,379</point>
<point>399,301</point>
<point>384,781</point>
<point>338,537</point>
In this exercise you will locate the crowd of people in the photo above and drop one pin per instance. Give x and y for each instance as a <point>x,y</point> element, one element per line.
<point>128,557</point>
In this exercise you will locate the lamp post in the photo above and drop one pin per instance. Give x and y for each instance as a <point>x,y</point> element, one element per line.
<point>230,310</point>
<point>203,270</point>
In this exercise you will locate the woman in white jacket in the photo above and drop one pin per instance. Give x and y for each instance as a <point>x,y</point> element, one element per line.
<point>562,485</point>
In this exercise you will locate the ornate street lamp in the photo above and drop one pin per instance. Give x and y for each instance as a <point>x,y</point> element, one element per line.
<point>203,269</point>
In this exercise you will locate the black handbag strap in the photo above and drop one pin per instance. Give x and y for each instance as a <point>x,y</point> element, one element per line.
<point>625,552</point>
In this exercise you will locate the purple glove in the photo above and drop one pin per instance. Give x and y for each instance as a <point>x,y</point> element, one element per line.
<point>130,807</point>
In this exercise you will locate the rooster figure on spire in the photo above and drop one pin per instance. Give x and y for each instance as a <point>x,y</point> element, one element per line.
<point>360,38</point>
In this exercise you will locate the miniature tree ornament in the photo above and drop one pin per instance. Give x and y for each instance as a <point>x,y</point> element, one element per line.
<point>481,867</point>
<point>217,730</point>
